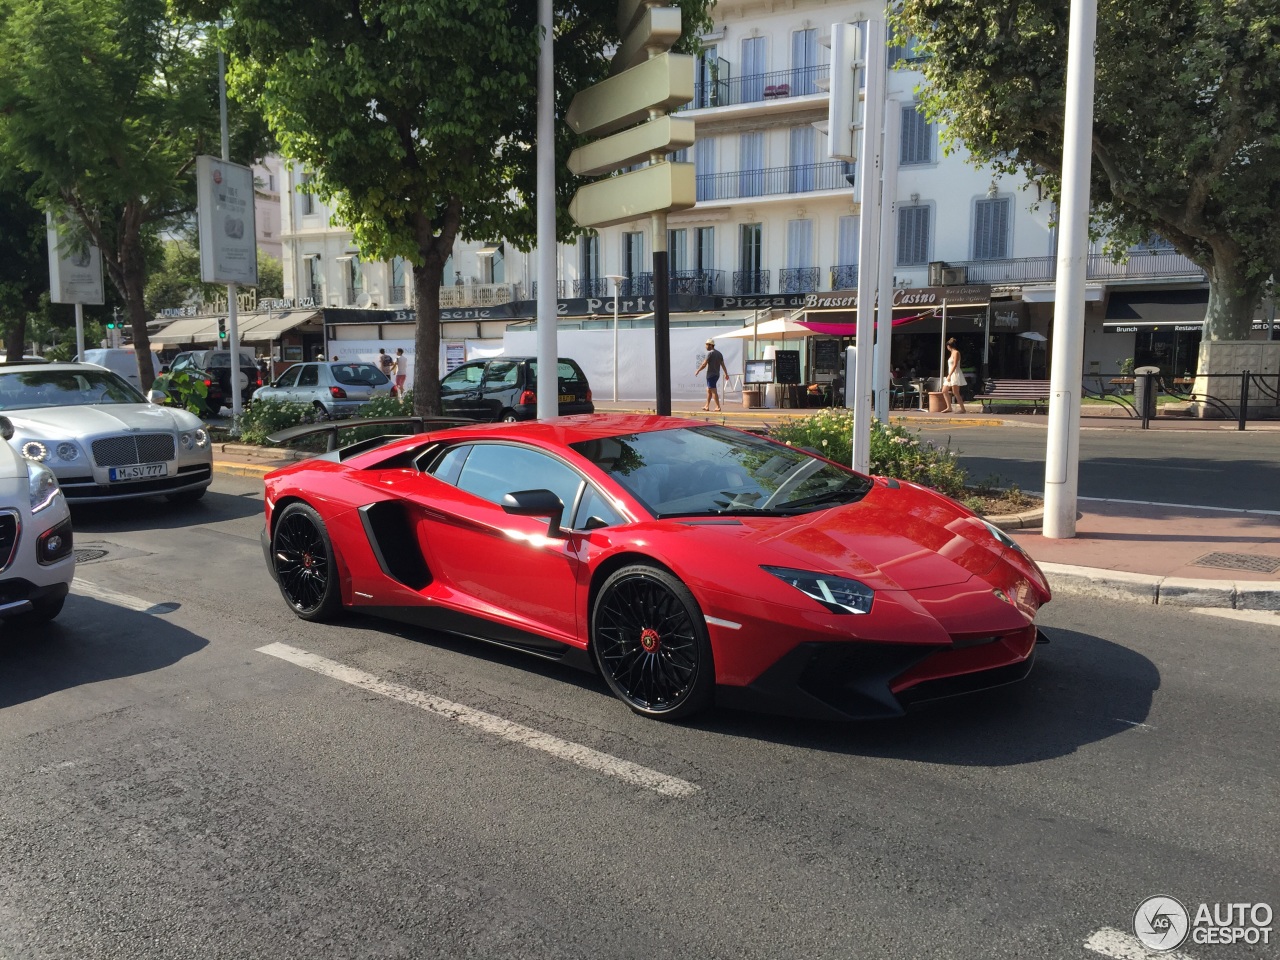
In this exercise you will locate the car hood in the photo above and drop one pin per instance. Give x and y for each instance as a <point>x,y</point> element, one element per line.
<point>12,466</point>
<point>93,419</point>
<point>908,537</point>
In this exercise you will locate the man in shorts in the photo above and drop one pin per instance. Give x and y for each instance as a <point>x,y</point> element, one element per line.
<point>714,365</point>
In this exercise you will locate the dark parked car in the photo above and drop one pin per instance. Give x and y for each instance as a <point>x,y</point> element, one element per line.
<point>215,367</point>
<point>505,388</point>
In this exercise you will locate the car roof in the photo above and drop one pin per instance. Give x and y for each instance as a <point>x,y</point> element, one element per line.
<point>7,366</point>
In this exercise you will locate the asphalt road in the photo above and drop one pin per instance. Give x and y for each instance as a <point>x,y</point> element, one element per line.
<point>1221,468</point>
<point>172,790</point>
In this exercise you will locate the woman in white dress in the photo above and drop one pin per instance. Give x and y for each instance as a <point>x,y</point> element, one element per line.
<point>955,377</point>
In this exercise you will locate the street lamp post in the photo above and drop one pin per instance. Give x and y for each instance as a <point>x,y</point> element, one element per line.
<point>617,279</point>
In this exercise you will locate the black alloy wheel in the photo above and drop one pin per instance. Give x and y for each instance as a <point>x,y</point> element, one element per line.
<point>321,412</point>
<point>650,642</point>
<point>302,555</point>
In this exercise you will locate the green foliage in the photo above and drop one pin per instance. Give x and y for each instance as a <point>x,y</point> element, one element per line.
<point>1186,133</point>
<point>895,451</point>
<point>265,417</point>
<point>185,391</point>
<point>270,276</point>
<point>175,280</point>
<point>1126,367</point>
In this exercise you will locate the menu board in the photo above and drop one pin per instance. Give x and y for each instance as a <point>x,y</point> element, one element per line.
<point>788,366</point>
<point>826,356</point>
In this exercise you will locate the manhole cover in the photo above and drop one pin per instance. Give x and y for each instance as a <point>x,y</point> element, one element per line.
<point>1253,562</point>
<point>88,556</point>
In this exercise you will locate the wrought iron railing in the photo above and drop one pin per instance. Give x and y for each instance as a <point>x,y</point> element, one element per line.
<point>591,287</point>
<point>703,283</point>
<point>559,289</point>
<point>798,280</point>
<point>397,293</point>
<point>801,178</point>
<point>723,90</point>
<point>1160,263</point>
<point>844,276</point>
<point>750,281</point>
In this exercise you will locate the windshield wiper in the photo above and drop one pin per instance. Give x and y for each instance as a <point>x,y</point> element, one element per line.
<point>841,493</point>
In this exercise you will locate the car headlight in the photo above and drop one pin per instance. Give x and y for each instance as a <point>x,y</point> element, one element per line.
<point>837,594</point>
<point>1001,536</point>
<point>187,440</point>
<point>42,485</point>
<point>202,438</point>
<point>35,450</point>
<point>67,451</point>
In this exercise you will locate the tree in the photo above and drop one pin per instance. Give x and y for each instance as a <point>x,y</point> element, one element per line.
<point>418,120</point>
<point>1186,137</point>
<point>270,276</point>
<point>106,103</point>
<point>174,281</point>
<point>24,264</point>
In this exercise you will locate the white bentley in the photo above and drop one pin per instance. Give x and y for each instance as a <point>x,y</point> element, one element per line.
<point>101,438</point>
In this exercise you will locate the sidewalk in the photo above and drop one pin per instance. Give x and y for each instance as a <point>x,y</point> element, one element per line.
<point>1151,553</point>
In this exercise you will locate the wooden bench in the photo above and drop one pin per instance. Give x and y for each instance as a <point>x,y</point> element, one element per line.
<point>1036,390</point>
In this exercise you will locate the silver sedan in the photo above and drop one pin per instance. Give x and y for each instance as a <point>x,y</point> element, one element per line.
<point>333,389</point>
<point>100,436</point>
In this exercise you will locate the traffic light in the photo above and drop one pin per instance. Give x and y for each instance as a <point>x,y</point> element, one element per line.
<point>222,328</point>
<point>111,324</point>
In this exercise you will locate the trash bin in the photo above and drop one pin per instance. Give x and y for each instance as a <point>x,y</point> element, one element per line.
<point>937,402</point>
<point>752,397</point>
<point>1145,389</point>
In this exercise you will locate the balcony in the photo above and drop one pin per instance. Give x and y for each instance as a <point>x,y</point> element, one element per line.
<point>478,295</point>
<point>559,289</point>
<point>591,287</point>
<point>725,91</point>
<point>1162,264</point>
<point>397,293</point>
<point>844,276</point>
<point>798,280</point>
<point>804,178</point>
<point>750,281</point>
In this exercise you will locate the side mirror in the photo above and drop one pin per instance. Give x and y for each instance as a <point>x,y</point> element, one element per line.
<point>157,396</point>
<point>6,428</point>
<point>537,503</point>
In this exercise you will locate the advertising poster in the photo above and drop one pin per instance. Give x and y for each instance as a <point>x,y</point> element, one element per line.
<point>75,267</point>
<point>228,239</point>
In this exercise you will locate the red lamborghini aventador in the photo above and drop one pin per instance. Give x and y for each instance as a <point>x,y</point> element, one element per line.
<point>686,562</point>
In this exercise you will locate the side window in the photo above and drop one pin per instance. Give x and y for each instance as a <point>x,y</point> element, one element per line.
<point>465,377</point>
<point>289,377</point>
<point>181,362</point>
<point>595,511</point>
<point>495,469</point>
<point>310,376</point>
<point>501,374</point>
<point>448,466</point>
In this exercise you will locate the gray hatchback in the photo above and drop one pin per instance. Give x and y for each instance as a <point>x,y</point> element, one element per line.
<point>333,389</point>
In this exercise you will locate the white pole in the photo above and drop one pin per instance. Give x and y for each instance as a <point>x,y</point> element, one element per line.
<point>233,332</point>
<point>869,157</point>
<point>617,278</point>
<point>888,237</point>
<point>1062,456</point>
<point>79,331</point>
<point>548,352</point>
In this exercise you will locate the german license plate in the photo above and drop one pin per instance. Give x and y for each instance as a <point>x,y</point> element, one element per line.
<point>138,471</point>
<point>567,398</point>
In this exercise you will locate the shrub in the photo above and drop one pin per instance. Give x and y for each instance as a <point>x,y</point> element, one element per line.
<point>265,417</point>
<point>895,452</point>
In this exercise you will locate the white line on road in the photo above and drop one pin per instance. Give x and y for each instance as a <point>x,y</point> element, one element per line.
<point>86,589</point>
<point>1268,618</point>
<point>1123,946</point>
<point>488,723</point>
<point>1180,506</point>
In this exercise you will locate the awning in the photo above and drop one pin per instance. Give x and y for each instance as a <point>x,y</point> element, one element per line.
<point>1154,308</point>
<point>261,327</point>
<point>779,329</point>
<point>187,331</point>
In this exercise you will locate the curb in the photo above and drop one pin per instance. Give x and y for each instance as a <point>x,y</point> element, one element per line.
<point>1170,591</point>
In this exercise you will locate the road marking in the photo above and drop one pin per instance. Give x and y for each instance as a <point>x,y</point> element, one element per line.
<point>1122,946</point>
<point>1180,506</point>
<point>1134,723</point>
<point>1269,618</point>
<point>86,589</point>
<point>488,723</point>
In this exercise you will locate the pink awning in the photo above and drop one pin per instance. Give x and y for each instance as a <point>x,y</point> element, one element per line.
<point>851,329</point>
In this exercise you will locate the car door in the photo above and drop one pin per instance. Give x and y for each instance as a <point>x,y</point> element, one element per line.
<point>460,392</point>
<point>500,389</point>
<point>307,389</point>
<point>282,389</point>
<point>507,565</point>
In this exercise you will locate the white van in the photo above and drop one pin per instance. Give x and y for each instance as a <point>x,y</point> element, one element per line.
<point>119,360</point>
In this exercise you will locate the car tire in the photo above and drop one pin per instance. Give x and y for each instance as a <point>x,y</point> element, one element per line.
<point>322,412</point>
<point>509,416</point>
<point>303,558</point>
<point>186,496</point>
<point>650,643</point>
<point>42,611</point>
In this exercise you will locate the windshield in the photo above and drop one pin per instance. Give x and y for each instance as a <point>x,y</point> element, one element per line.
<point>28,389</point>
<point>714,471</point>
